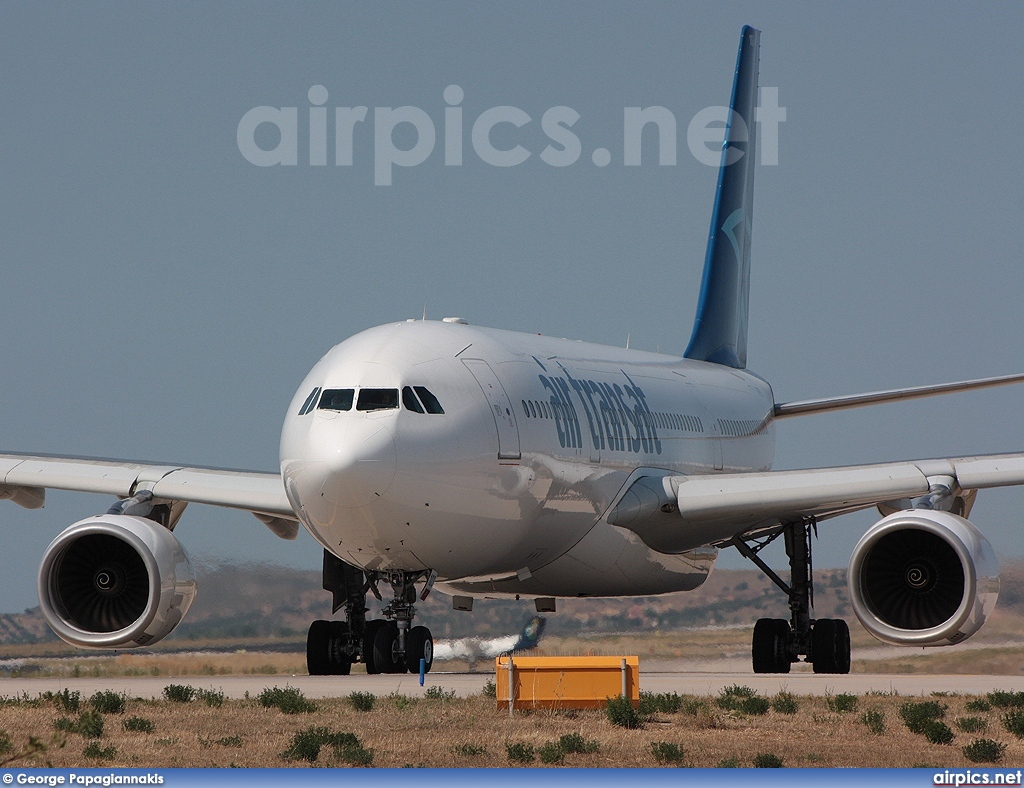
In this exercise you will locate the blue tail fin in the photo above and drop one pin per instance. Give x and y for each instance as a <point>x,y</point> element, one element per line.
<point>720,330</point>
<point>531,634</point>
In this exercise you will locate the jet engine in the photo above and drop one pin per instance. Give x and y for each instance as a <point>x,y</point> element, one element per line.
<point>115,581</point>
<point>923,578</point>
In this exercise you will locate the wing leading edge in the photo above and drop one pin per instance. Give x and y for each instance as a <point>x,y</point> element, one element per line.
<point>672,514</point>
<point>24,479</point>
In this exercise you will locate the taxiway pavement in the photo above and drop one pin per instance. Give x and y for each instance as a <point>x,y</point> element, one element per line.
<point>657,679</point>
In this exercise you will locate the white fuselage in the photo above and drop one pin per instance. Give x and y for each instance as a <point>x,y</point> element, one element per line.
<point>507,490</point>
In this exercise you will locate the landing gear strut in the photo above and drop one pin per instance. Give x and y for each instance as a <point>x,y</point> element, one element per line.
<point>388,645</point>
<point>778,643</point>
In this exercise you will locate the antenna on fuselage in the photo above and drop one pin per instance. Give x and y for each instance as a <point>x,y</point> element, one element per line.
<point>424,310</point>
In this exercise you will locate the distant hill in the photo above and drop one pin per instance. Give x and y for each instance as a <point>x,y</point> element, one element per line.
<point>276,604</point>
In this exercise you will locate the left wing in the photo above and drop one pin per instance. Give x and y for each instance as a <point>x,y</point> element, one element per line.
<point>25,478</point>
<point>673,513</point>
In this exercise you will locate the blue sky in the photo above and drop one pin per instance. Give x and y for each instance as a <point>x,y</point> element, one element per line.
<point>163,297</point>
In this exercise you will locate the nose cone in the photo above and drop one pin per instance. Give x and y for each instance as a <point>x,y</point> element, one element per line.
<point>349,463</point>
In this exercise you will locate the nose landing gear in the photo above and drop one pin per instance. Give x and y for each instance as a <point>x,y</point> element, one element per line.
<point>387,645</point>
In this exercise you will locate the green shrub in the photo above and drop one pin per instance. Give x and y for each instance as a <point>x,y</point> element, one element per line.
<point>938,732</point>
<point>731,697</point>
<point>108,702</point>
<point>180,693</point>
<point>65,724</point>
<point>666,752</point>
<point>468,750</point>
<point>620,711</point>
<point>1013,721</point>
<point>362,701</point>
<point>842,703</point>
<point>574,742</point>
<point>93,750</point>
<point>978,704</point>
<point>664,702</point>
<point>875,720</point>
<point>229,741</point>
<point>1006,700</point>
<point>785,703</point>
<point>984,751</point>
<point>6,745</point>
<point>138,725</point>
<point>439,693</point>
<point>213,698</point>
<point>729,763</point>
<point>916,716</point>
<point>353,753</point>
<point>519,752</point>
<point>68,701</point>
<point>307,743</point>
<point>692,706</point>
<point>550,753</point>
<point>90,724</point>
<point>754,706</point>
<point>767,760</point>
<point>972,724</point>
<point>289,700</point>
<point>490,689</point>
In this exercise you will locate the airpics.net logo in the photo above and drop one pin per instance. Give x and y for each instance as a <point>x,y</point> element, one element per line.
<point>269,136</point>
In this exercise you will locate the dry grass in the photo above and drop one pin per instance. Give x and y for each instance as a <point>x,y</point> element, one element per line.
<point>406,731</point>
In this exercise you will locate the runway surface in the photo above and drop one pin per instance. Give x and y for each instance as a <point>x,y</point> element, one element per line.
<point>657,678</point>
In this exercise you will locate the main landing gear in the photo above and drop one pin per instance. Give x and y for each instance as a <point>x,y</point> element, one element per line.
<point>387,645</point>
<point>778,643</point>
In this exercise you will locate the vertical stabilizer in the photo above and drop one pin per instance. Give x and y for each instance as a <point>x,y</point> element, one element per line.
<point>720,330</point>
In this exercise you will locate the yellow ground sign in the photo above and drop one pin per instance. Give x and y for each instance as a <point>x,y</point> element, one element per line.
<point>565,682</point>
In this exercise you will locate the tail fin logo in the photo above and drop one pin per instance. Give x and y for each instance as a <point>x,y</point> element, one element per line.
<point>729,226</point>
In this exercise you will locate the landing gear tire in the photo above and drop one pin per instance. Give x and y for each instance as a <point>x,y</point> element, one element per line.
<point>770,649</point>
<point>386,656</point>
<point>339,659</point>
<point>369,637</point>
<point>419,645</point>
<point>831,646</point>
<point>316,648</point>
<point>326,653</point>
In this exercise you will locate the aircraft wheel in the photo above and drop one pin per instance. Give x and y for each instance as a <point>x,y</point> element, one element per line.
<point>770,647</point>
<point>317,643</point>
<point>369,637</point>
<point>339,660</point>
<point>830,646</point>
<point>419,644</point>
<point>385,650</point>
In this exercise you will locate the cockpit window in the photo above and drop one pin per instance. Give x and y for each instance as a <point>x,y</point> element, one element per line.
<point>337,399</point>
<point>377,399</point>
<point>429,400</point>
<point>410,401</point>
<point>310,402</point>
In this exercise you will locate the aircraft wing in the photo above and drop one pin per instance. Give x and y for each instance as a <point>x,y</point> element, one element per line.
<point>25,478</point>
<point>672,514</point>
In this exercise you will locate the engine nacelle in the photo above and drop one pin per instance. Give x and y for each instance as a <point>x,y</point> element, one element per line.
<point>115,581</point>
<point>923,578</point>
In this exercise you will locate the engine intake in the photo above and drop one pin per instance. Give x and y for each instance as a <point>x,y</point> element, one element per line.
<point>923,578</point>
<point>115,581</point>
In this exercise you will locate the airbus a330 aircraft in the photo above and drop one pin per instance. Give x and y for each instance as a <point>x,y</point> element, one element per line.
<point>493,463</point>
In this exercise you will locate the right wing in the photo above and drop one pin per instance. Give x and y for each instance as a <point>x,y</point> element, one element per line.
<point>25,478</point>
<point>673,513</point>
